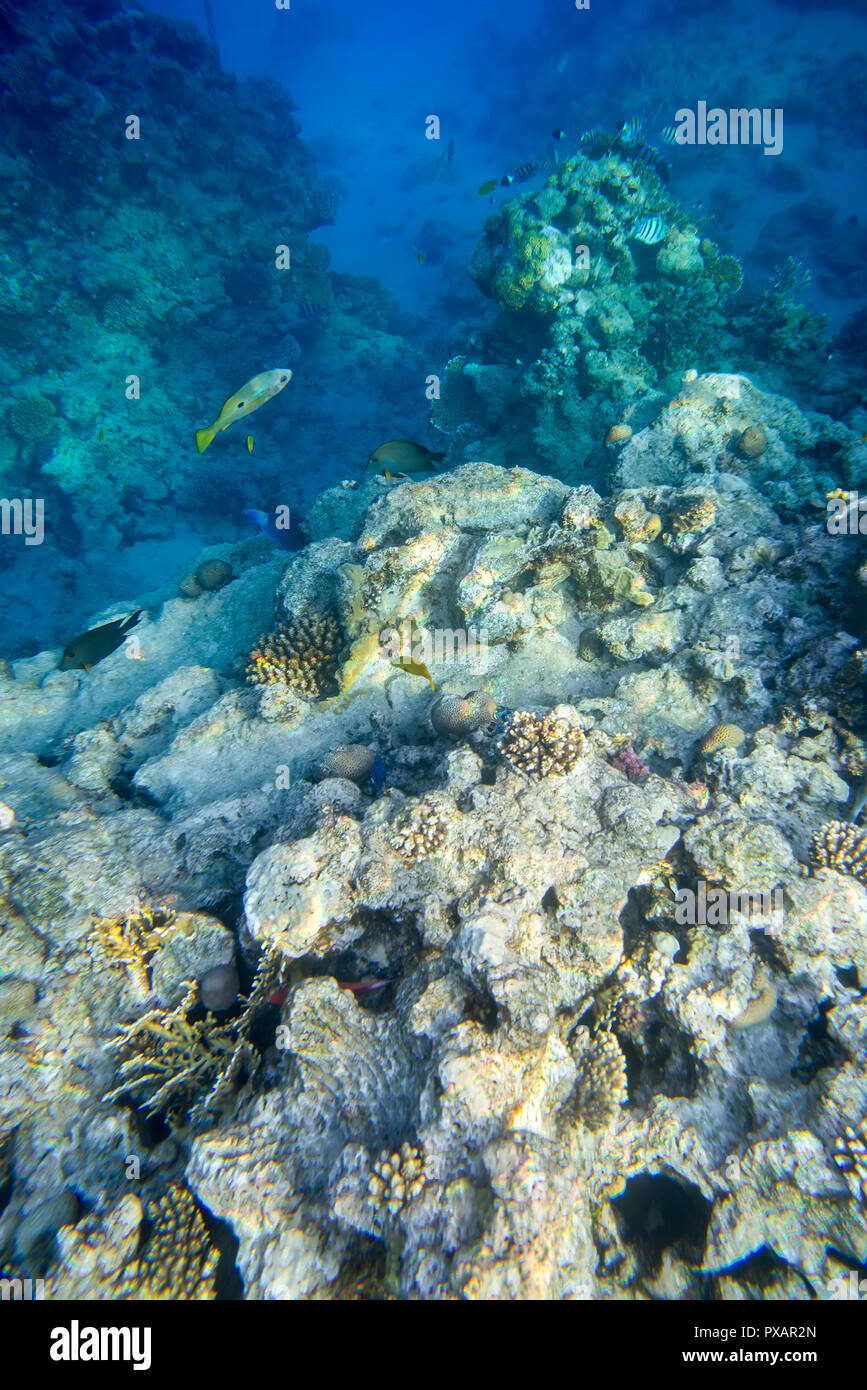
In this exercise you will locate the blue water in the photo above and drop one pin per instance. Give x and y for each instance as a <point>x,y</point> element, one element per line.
<point>405,217</point>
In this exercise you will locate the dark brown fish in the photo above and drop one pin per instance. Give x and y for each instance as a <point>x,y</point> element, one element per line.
<point>402,456</point>
<point>90,647</point>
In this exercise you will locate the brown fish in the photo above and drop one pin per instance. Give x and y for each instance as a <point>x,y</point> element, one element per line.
<point>90,647</point>
<point>402,456</point>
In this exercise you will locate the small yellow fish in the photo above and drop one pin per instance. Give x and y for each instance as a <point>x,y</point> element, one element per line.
<point>862,439</point>
<point>252,394</point>
<point>421,258</point>
<point>249,443</point>
<point>101,435</point>
<point>416,668</point>
<point>488,187</point>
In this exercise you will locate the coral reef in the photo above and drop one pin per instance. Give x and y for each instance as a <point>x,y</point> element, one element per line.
<point>302,655</point>
<point>423,1091</point>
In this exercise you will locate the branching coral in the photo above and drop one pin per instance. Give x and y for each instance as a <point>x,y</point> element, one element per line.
<point>423,833</point>
<point>394,1180</point>
<point>129,943</point>
<point>842,846</point>
<point>850,1155</point>
<point>541,747</point>
<point>177,1066</point>
<point>303,656</point>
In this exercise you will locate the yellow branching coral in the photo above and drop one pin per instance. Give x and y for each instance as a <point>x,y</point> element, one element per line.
<point>302,655</point>
<point>850,1156</point>
<point>394,1180</point>
<point>178,1067</point>
<point>129,943</point>
<point>842,846</point>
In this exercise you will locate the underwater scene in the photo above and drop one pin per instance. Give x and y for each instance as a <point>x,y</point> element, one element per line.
<point>433,658</point>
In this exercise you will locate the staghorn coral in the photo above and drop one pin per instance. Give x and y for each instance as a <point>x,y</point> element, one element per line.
<point>302,655</point>
<point>422,834</point>
<point>541,747</point>
<point>178,1067</point>
<point>842,846</point>
<point>129,943</point>
<point>32,417</point>
<point>850,1156</point>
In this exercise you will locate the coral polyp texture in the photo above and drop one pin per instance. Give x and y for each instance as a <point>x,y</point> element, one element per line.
<point>544,747</point>
<point>302,655</point>
<point>841,846</point>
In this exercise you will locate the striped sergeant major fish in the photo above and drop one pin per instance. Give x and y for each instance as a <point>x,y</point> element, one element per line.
<point>650,230</point>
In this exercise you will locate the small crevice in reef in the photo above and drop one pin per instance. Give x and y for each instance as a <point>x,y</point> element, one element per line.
<point>762,1274</point>
<point>660,1213</point>
<point>818,1049</point>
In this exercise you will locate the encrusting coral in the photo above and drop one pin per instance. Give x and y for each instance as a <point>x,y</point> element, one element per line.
<point>302,655</point>
<point>543,747</point>
<point>601,1088</point>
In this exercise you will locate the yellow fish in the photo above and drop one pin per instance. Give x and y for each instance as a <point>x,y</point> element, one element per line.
<point>416,668</point>
<point>249,443</point>
<point>488,187</point>
<point>252,394</point>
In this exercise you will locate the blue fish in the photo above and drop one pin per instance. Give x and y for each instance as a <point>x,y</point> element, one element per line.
<point>280,535</point>
<point>377,775</point>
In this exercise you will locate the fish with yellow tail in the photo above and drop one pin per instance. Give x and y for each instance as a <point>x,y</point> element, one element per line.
<point>252,394</point>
